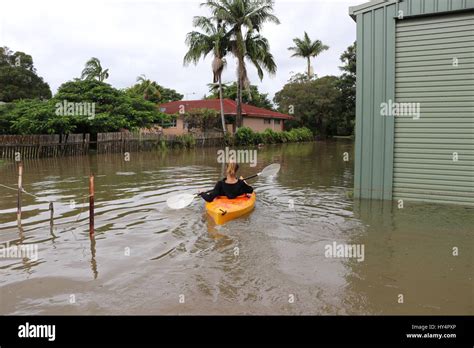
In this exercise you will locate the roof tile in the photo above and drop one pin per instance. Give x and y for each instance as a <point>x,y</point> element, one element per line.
<point>230,108</point>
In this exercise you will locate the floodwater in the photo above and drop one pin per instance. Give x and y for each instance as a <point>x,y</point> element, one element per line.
<point>148,259</point>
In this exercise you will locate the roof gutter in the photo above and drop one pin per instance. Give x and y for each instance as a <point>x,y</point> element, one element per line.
<point>369,6</point>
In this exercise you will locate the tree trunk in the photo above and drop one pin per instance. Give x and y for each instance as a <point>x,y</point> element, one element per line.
<point>240,58</point>
<point>309,68</point>
<point>222,105</point>
<point>238,117</point>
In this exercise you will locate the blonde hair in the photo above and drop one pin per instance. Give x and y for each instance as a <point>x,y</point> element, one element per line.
<point>232,168</point>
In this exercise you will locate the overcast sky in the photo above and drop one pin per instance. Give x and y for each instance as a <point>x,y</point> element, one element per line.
<point>147,37</point>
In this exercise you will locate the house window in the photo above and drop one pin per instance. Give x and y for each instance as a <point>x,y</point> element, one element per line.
<point>267,121</point>
<point>169,124</point>
<point>277,121</point>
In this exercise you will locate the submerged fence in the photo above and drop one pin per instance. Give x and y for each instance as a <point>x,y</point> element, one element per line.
<point>128,142</point>
<point>35,146</point>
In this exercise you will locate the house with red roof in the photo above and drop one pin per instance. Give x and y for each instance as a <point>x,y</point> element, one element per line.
<point>258,119</point>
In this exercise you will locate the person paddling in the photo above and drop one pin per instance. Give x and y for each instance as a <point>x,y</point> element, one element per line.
<point>230,186</point>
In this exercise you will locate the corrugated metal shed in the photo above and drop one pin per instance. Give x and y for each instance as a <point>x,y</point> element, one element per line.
<point>434,66</point>
<point>384,30</point>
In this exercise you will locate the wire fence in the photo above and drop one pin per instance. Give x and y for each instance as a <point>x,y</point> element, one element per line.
<point>20,190</point>
<point>83,197</point>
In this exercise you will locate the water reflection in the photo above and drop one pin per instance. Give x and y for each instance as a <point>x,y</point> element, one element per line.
<point>93,258</point>
<point>410,252</point>
<point>250,265</point>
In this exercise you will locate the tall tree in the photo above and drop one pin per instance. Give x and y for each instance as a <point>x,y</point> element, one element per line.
<point>93,70</point>
<point>113,110</point>
<point>258,53</point>
<point>308,49</point>
<point>255,98</point>
<point>347,86</point>
<point>315,104</point>
<point>147,87</point>
<point>244,18</point>
<point>168,94</point>
<point>215,39</point>
<point>18,77</point>
<point>162,95</point>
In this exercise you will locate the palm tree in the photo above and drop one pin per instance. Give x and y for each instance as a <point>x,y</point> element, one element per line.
<point>241,16</point>
<point>258,53</point>
<point>214,39</point>
<point>93,70</point>
<point>147,87</point>
<point>306,48</point>
<point>214,89</point>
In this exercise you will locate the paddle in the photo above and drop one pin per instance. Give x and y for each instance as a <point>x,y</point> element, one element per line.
<point>182,200</point>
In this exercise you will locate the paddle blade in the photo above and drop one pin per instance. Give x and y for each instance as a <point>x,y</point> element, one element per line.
<point>180,201</point>
<point>270,170</point>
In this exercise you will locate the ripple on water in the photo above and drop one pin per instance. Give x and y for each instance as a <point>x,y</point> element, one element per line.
<point>144,254</point>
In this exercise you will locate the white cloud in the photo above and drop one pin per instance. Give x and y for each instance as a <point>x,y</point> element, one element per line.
<point>147,37</point>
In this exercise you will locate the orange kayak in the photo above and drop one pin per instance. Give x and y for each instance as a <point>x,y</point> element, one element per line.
<point>223,209</point>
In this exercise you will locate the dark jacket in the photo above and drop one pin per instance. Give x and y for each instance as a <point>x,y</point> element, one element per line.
<point>229,190</point>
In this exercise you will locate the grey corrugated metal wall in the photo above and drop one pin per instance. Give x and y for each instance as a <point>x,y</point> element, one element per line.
<point>421,7</point>
<point>376,23</point>
<point>434,155</point>
<point>375,84</point>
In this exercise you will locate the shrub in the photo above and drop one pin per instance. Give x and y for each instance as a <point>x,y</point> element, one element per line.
<point>285,137</point>
<point>291,136</point>
<point>229,140</point>
<point>294,134</point>
<point>204,119</point>
<point>162,145</point>
<point>301,134</point>
<point>185,140</point>
<point>257,138</point>
<point>306,134</point>
<point>244,136</point>
<point>270,136</point>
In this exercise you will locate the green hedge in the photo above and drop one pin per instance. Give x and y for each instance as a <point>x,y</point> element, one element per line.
<point>246,136</point>
<point>185,140</point>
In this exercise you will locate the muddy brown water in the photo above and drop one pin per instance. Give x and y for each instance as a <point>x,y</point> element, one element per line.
<point>148,259</point>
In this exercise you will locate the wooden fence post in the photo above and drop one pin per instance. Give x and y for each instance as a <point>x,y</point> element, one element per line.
<point>51,209</point>
<point>91,205</point>
<point>20,188</point>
